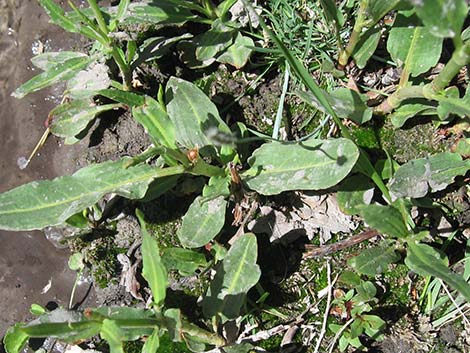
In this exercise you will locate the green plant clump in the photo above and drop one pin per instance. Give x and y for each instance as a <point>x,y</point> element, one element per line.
<point>193,142</point>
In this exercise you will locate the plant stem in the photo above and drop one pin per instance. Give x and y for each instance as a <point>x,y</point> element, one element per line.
<point>124,68</point>
<point>210,9</point>
<point>395,99</point>
<point>459,59</point>
<point>360,24</point>
<point>99,16</point>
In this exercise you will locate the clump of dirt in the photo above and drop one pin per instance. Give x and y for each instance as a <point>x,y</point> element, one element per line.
<point>117,138</point>
<point>256,107</point>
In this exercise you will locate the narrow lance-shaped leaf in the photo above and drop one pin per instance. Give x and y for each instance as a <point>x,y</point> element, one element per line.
<point>69,119</point>
<point>156,122</point>
<point>184,260</point>
<point>401,115</point>
<point>51,202</point>
<point>153,269</point>
<point>120,14</point>
<point>47,60</point>
<point>366,46</point>
<point>234,278</point>
<point>163,12</point>
<point>152,342</point>
<point>68,326</point>
<point>426,261</point>
<point>71,22</point>
<point>60,72</point>
<point>127,98</point>
<point>308,165</point>
<point>111,332</point>
<point>203,221</point>
<point>57,16</point>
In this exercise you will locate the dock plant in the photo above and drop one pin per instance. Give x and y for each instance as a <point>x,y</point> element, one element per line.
<point>190,138</point>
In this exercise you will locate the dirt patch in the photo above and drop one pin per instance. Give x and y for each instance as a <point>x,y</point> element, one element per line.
<point>27,260</point>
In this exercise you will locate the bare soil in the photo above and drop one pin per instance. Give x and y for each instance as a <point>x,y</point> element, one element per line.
<point>28,261</point>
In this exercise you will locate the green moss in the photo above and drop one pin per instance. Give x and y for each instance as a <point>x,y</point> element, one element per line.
<point>272,343</point>
<point>101,255</point>
<point>366,136</point>
<point>415,142</point>
<point>165,233</point>
<point>133,346</point>
<point>398,294</point>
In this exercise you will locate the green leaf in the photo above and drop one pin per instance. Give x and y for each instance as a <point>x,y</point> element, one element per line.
<point>401,115</point>
<point>238,53</point>
<point>156,122</point>
<point>452,104</point>
<point>153,269</point>
<point>152,343</point>
<point>70,119</point>
<point>366,46</point>
<point>76,261</point>
<point>184,260</point>
<point>444,18</point>
<point>217,186</point>
<point>193,114</point>
<point>188,50</point>
<point>58,17</point>
<point>120,14</point>
<point>155,47</point>
<point>51,202</point>
<point>349,278</point>
<point>68,326</point>
<point>37,310</point>
<point>237,273</point>
<point>173,324</point>
<point>463,147</point>
<point>112,333</point>
<point>348,104</point>
<point>353,192</point>
<point>127,98</point>
<point>308,165</point>
<point>332,14</point>
<point>212,42</point>
<point>385,219</point>
<point>60,72</point>
<point>373,261</point>
<point>413,46</point>
<point>419,176</point>
<point>47,60</point>
<point>158,13</point>
<point>376,9</point>
<point>15,339</point>
<point>203,221</point>
<point>426,261</point>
